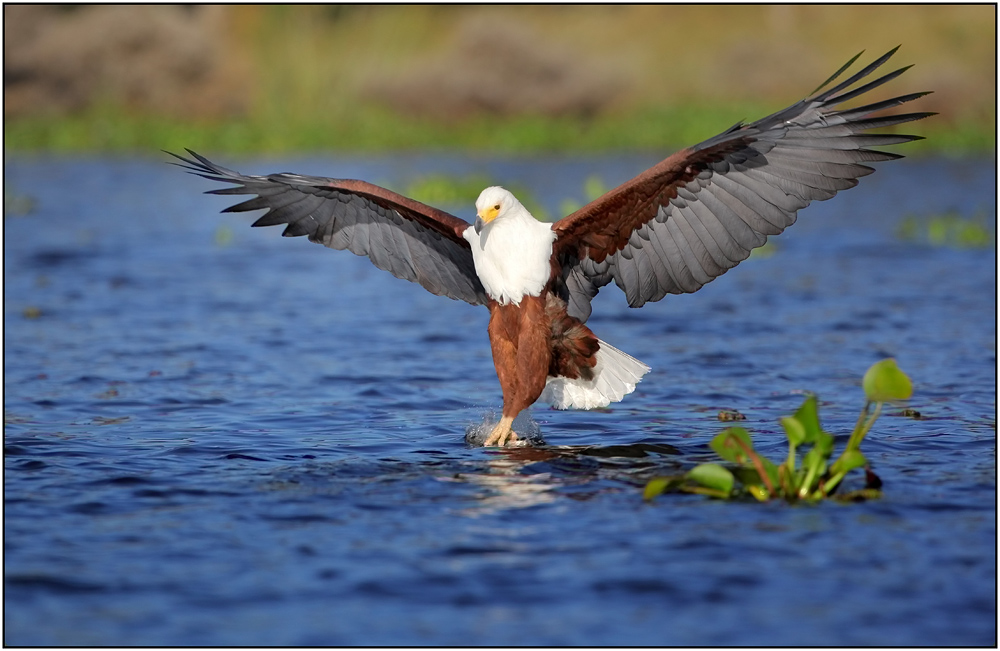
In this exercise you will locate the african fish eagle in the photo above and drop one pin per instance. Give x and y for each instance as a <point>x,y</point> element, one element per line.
<point>670,230</point>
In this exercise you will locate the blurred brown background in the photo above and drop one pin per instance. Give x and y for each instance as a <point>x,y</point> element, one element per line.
<point>443,62</point>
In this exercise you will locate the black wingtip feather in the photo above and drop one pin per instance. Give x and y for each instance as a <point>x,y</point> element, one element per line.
<point>862,111</point>
<point>864,72</point>
<point>240,189</point>
<point>861,90</point>
<point>838,73</point>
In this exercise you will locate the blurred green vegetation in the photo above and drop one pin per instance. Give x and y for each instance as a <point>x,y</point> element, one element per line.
<point>309,69</point>
<point>593,187</point>
<point>450,191</point>
<point>376,129</point>
<point>16,204</point>
<point>950,229</point>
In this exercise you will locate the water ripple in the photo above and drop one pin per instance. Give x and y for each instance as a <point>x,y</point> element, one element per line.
<point>211,445</point>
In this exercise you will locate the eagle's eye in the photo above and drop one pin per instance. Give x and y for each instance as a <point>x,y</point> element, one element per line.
<point>496,207</point>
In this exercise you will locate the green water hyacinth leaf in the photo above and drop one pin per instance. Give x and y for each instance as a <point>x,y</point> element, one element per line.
<point>750,476</point>
<point>734,444</point>
<point>658,485</point>
<point>794,430</point>
<point>726,446</point>
<point>808,416</point>
<point>823,443</point>
<point>801,428</point>
<point>850,460</point>
<point>884,381</point>
<point>747,475</point>
<point>771,469</point>
<point>713,476</point>
<point>815,460</point>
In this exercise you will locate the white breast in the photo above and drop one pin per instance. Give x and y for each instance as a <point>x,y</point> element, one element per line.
<point>512,256</point>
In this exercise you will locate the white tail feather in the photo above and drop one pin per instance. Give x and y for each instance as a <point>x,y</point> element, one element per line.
<point>615,376</point>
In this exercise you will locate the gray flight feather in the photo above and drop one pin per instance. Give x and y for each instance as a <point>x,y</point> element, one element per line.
<point>409,240</point>
<point>723,197</point>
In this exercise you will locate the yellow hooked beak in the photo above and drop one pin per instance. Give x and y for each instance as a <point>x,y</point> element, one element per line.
<point>485,216</point>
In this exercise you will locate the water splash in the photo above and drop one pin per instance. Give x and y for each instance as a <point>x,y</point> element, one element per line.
<point>528,431</point>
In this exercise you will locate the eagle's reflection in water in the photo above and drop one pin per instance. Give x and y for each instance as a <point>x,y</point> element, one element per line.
<point>534,473</point>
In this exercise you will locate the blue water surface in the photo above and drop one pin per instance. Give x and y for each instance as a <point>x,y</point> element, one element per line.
<point>217,436</point>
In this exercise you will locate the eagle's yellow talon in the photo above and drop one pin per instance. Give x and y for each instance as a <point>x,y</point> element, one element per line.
<point>501,434</point>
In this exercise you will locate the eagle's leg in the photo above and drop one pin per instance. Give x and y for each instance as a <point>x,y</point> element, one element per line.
<point>520,337</point>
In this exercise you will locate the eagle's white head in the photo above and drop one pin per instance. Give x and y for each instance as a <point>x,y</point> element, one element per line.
<point>512,250</point>
<point>495,202</point>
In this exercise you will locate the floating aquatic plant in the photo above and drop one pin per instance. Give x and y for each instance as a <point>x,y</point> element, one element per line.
<point>806,473</point>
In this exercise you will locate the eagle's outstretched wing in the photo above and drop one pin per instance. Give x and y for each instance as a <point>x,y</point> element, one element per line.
<point>408,239</point>
<point>700,212</point>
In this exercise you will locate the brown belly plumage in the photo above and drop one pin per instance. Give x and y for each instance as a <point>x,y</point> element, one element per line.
<point>534,340</point>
